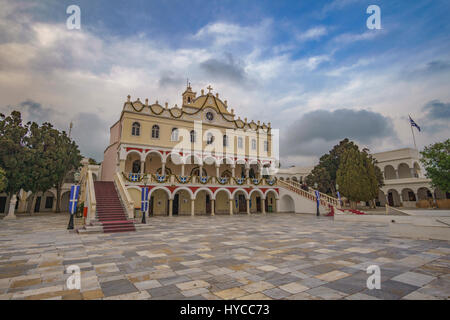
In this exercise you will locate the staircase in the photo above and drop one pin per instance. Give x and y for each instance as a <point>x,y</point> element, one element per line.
<point>325,200</point>
<point>110,213</point>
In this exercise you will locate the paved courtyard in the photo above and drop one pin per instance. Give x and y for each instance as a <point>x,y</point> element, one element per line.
<point>278,256</point>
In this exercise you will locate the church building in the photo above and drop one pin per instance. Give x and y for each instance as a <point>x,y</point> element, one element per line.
<point>198,158</point>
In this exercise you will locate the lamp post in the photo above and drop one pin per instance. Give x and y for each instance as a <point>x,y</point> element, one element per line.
<point>317,198</point>
<point>74,190</point>
<point>338,194</point>
<point>145,199</point>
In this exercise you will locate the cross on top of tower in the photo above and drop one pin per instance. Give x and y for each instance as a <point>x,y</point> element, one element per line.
<point>209,88</point>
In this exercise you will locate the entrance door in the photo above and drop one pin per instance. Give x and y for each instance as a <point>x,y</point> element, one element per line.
<point>175,204</point>
<point>258,204</point>
<point>208,204</point>
<point>242,203</point>
<point>390,199</point>
<point>37,205</point>
<point>150,205</point>
<point>3,204</point>
<point>266,204</point>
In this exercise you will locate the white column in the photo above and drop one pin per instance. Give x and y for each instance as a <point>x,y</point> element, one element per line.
<point>248,206</point>
<point>12,208</point>
<point>182,169</point>
<point>192,207</point>
<point>201,171</point>
<point>142,166</point>
<point>170,207</point>
<point>212,206</point>
<point>263,205</point>
<point>163,169</point>
<point>231,206</point>
<point>276,206</point>
<point>217,172</point>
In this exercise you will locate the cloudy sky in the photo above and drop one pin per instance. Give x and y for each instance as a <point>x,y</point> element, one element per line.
<point>311,68</point>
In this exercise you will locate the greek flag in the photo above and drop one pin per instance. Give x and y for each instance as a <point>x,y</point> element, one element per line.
<point>144,199</point>
<point>413,123</point>
<point>74,191</point>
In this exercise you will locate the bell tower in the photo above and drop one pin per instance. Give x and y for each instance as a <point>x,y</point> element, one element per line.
<point>188,95</point>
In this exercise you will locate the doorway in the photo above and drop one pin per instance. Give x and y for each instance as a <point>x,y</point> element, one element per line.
<point>258,204</point>
<point>391,199</point>
<point>37,205</point>
<point>208,204</point>
<point>150,213</point>
<point>242,204</point>
<point>2,204</point>
<point>175,204</point>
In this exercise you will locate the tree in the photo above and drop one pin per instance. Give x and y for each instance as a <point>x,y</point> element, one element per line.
<point>356,176</point>
<point>436,160</point>
<point>14,153</point>
<point>67,158</point>
<point>3,180</point>
<point>324,174</point>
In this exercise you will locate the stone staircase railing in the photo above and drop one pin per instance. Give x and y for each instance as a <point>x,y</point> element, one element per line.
<point>325,200</point>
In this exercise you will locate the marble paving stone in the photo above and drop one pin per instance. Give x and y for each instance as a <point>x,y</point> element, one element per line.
<point>275,256</point>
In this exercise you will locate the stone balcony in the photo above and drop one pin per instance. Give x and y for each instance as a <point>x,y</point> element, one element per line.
<point>172,179</point>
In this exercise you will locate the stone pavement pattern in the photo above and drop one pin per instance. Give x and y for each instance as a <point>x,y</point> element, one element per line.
<point>277,256</point>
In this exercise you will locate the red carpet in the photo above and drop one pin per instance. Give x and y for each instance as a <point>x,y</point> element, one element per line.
<point>110,212</point>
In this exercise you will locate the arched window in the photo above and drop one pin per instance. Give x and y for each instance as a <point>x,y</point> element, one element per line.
<point>209,138</point>
<point>253,144</point>
<point>155,132</point>
<point>225,140</point>
<point>136,129</point>
<point>174,136</point>
<point>193,136</point>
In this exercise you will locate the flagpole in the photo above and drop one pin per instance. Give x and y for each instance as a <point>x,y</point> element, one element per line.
<point>412,131</point>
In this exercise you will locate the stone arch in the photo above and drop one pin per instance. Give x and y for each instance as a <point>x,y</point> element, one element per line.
<point>404,171</point>
<point>222,197</point>
<point>167,191</point>
<point>208,191</point>
<point>130,159</point>
<point>237,190</point>
<point>389,172</point>
<point>132,151</point>
<point>424,193</point>
<point>202,202</point>
<point>381,202</point>
<point>153,161</point>
<point>159,201</point>
<point>189,191</point>
<point>240,203</point>
<point>182,198</point>
<point>417,170</point>
<point>393,198</point>
<point>287,204</point>
<point>65,201</point>
<point>408,195</point>
<point>257,200</point>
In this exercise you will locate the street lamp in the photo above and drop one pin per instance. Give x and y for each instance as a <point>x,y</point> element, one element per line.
<point>317,198</point>
<point>338,194</point>
<point>145,206</point>
<point>74,190</point>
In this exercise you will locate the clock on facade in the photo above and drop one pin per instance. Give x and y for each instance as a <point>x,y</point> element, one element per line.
<point>210,116</point>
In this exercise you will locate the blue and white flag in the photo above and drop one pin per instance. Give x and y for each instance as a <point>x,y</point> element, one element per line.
<point>144,199</point>
<point>317,195</point>
<point>73,200</point>
<point>413,123</point>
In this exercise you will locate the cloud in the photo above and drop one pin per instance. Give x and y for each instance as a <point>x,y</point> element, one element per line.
<point>317,131</point>
<point>170,79</point>
<point>437,110</point>
<point>313,33</point>
<point>347,38</point>
<point>227,69</point>
<point>91,133</point>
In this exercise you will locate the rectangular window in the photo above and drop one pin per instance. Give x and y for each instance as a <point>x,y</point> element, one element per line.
<point>240,143</point>
<point>254,144</point>
<point>48,202</point>
<point>266,146</point>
